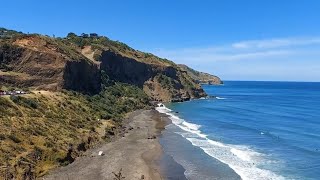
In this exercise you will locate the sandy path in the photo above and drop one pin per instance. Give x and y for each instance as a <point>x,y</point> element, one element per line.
<point>134,153</point>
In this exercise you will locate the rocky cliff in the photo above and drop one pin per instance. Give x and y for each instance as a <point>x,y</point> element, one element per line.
<point>75,63</point>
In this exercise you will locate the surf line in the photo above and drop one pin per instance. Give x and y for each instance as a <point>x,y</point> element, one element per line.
<point>241,159</point>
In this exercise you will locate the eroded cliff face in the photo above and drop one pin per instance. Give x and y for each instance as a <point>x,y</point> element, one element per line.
<point>123,69</point>
<point>36,62</point>
<point>160,82</point>
<point>82,76</point>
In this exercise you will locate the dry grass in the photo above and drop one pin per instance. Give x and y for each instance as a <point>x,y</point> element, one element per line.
<point>55,123</point>
<point>39,129</point>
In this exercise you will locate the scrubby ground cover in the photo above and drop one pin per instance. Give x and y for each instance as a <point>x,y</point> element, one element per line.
<point>43,130</point>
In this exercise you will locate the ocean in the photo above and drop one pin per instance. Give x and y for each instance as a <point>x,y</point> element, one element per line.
<point>249,130</point>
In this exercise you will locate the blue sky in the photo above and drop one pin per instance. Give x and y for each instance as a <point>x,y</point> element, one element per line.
<point>235,39</point>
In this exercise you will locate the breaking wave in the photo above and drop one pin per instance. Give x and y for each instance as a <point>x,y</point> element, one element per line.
<point>244,161</point>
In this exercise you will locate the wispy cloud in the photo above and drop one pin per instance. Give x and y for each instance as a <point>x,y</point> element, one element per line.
<point>244,50</point>
<point>276,43</point>
<point>267,59</point>
<point>252,55</point>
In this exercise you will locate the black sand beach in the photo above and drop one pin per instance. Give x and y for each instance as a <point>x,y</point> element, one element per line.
<point>139,154</point>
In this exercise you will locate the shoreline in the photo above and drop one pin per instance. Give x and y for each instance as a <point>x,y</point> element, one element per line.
<point>138,153</point>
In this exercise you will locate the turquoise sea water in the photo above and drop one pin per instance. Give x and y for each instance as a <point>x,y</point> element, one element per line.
<point>252,130</point>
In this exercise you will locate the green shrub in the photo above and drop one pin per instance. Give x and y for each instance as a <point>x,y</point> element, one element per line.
<point>2,137</point>
<point>14,138</point>
<point>15,99</point>
<point>106,116</point>
<point>165,81</point>
<point>32,103</point>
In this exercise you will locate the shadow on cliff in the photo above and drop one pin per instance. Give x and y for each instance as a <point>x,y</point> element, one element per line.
<point>131,71</point>
<point>82,76</point>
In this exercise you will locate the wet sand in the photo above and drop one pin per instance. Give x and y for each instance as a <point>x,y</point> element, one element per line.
<point>139,154</point>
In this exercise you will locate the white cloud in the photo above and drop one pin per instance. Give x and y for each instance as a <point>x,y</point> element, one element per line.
<point>268,59</point>
<point>276,43</point>
<point>244,50</point>
<point>253,55</point>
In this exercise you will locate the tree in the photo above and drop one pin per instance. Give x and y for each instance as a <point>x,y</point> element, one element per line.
<point>84,35</point>
<point>71,35</point>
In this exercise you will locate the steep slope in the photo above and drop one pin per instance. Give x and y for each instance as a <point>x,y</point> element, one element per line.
<point>201,77</point>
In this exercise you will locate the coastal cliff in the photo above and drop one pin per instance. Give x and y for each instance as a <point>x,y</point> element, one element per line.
<point>78,91</point>
<point>75,63</point>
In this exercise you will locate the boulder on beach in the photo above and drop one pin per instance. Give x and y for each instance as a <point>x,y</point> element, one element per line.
<point>100,153</point>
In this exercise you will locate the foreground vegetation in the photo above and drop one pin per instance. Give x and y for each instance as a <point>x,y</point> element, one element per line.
<point>43,130</point>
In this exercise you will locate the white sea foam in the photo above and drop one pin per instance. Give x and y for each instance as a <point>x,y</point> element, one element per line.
<point>242,154</point>
<point>191,126</point>
<point>244,161</point>
<point>220,98</point>
<point>216,143</point>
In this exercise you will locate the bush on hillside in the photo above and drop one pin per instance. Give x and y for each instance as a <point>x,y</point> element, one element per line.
<point>14,138</point>
<point>165,81</point>
<point>31,103</point>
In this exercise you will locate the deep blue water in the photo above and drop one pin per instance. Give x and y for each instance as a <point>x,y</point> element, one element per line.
<point>258,130</point>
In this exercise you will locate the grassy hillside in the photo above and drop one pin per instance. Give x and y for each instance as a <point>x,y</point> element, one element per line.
<point>99,44</point>
<point>43,130</point>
